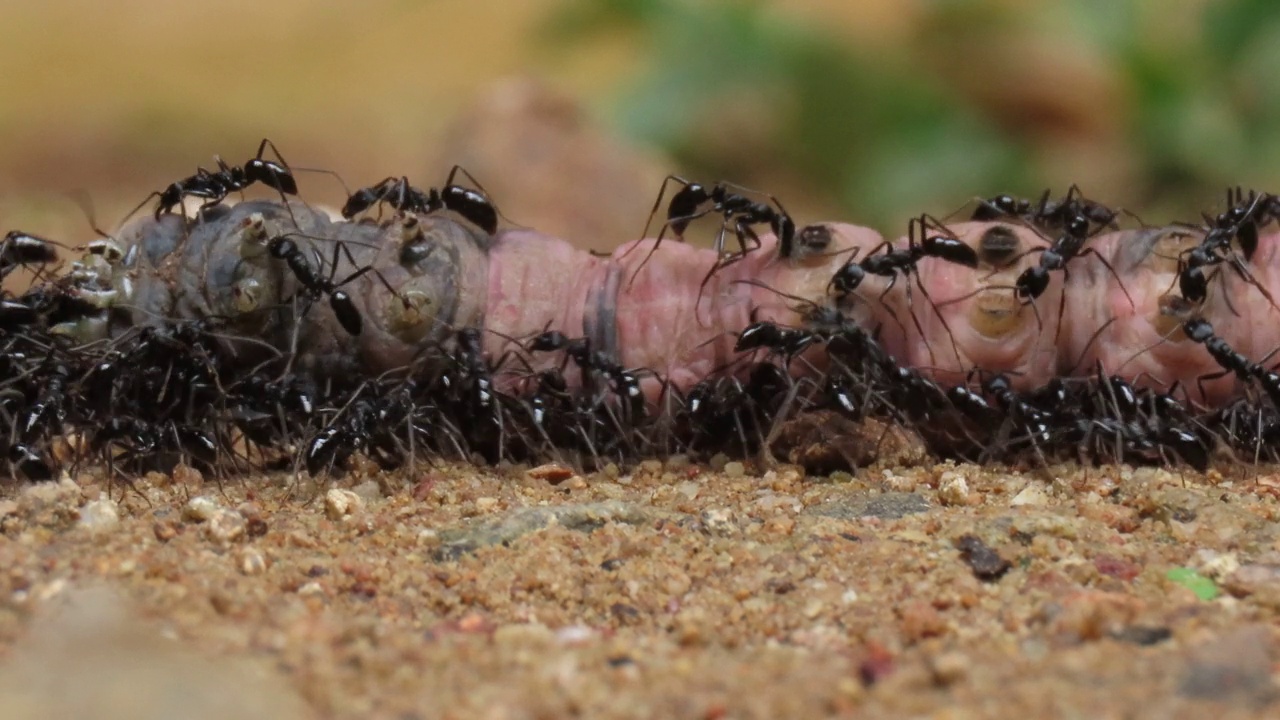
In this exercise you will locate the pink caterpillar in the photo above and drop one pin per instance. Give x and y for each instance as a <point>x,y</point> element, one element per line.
<point>1115,309</point>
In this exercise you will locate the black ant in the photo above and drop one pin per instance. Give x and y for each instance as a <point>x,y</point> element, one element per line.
<point>1003,206</point>
<point>473,205</point>
<point>893,263</point>
<point>344,308</point>
<point>1238,222</point>
<point>780,340</point>
<point>282,247</point>
<point>1032,421</point>
<point>214,187</point>
<point>1076,231</point>
<point>626,383</point>
<point>1201,332</point>
<point>739,209</point>
<point>739,213</point>
<point>30,463</point>
<point>1050,215</point>
<point>1033,281</point>
<point>20,248</point>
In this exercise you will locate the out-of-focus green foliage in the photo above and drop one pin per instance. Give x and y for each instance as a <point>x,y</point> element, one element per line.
<point>738,90</point>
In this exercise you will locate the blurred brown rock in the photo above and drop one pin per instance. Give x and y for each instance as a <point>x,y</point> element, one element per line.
<point>92,658</point>
<point>548,167</point>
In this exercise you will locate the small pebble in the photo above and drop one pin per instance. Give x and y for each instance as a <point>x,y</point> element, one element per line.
<point>252,562</point>
<point>734,469</point>
<point>676,463</point>
<point>99,515</point>
<point>574,635</point>
<point>552,473</point>
<point>953,489</point>
<point>187,476</point>
<point>718,520</point>
<point>225,526</point>
<point>950,667</point>
<point>523,634</point>
<point>986,563</point>
<point>338,504</point>
<point>1033,495</point>
<point>1143,634</point>
<point>166,530</point>
<point>199,508</point>
<point>256,526</point>
<point>311,588</point>
<point>485,504</point>
<point>368,490</point>
<point>38,496</point>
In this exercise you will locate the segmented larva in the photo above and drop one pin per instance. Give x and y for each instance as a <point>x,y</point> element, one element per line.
<point>280,324</point>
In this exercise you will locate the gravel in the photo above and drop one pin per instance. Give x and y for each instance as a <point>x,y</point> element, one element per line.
<point>474,592</point>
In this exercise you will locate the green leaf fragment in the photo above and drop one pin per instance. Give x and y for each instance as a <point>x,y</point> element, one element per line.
<point>1203,587</point>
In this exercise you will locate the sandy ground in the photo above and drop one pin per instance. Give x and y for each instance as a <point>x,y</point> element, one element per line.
<point>672,591</point>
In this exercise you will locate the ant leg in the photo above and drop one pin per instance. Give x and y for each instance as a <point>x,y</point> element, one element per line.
<point>954,347</point>
<point>1114,274</point>
<point>1237,265</point>
<point>893,280</point>
<point>657,241</point>
<point>721,263</point>
<point>1209,377</point>
<point>340,246</point>
<point>147,199</point>
<point>744,232</point>
<point>266,143</point>
<point>656,204</point>
<point>1096,334</point>
<point>345,190</point>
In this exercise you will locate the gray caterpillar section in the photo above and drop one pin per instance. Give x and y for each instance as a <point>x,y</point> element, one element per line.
<point>412,280</point>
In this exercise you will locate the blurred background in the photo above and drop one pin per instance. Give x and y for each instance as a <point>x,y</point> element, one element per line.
<point>570,112</point>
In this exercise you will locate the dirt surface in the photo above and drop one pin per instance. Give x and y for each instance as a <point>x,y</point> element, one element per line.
<point>671,591</point>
